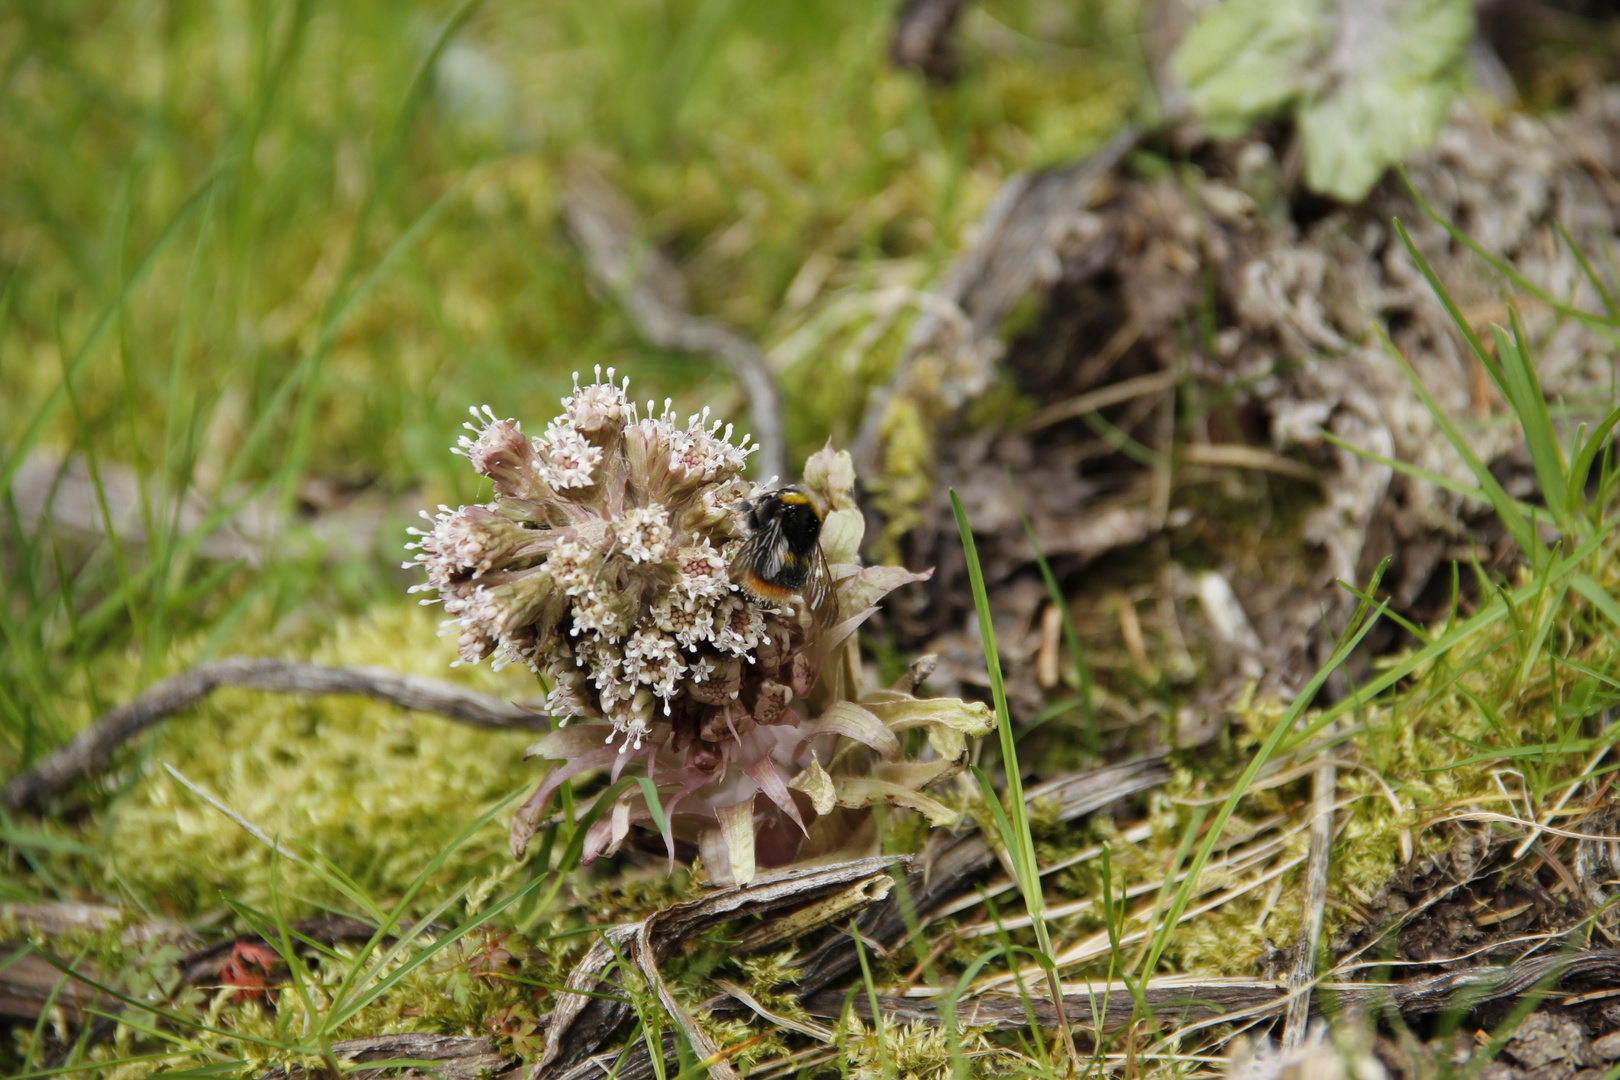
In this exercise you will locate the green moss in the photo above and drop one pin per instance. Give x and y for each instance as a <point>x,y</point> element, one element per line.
<point>907,480</point>
<point>374,788</point>
<point>914,1051</point>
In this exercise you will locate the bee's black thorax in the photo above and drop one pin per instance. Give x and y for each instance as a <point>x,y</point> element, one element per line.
<point>783,528</point>
<point>800,526</point>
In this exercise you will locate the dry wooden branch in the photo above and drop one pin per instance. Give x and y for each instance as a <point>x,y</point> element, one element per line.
<point>94,746</point>
<point>457,1057</point>
<point>1177,999</point>
<point>35,981</point>
<point>653,294</point>
<point>60,493</point>
<point>579,1023</point>
<point>51,919</point>
<point>1185,1000</point>
<point>628,1063</point>
<point>922,38</point>
<point>29,984</point>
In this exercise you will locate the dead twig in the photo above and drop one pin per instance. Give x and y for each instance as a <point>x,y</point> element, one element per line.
<point>653,294</point>
<point>456,1057</point>
<point>580,1023</point>
<point>1092,400</point>
<point>59,493</point>
<point>94,746</point>
<point>1191,1000</point>
<point>922,38</point>
<point>1324,784</point>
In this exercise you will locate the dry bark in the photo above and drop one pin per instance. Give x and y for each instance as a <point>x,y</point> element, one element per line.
<point>950,865</point>
<point>579,1024</point>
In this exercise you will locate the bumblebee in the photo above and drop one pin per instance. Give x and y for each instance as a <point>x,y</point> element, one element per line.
<point>781,552</point>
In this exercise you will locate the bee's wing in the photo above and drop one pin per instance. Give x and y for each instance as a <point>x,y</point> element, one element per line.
<point>819,593</point>
<point>759,555</point>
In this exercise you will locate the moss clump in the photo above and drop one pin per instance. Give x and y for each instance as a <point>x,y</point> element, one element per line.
<point>921,1051</point>
<point>374,788</point>
<point>907,480</point>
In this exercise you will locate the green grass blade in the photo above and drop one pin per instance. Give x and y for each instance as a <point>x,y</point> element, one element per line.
<point>1597,596</point>
<point>649,791</point>
<point>885,1062</point>
<point>1599,324</point>
<point>181,1021</point>
<point>1546,455</point>
<point>1444,483</point>
<point>1591,275</point>
<point>1476,625</point>
<point>1021,847</point>
<point>1505,506</point>
<point>340,1015</point>
<point>387,922</point>
<point>1581,467</point>
<point>104,324</point>
<point>1017,837</point>
<point>1453,311</point>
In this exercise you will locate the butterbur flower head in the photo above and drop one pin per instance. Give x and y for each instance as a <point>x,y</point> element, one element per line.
<point>597,412</point>
<point>604,564</point>
<point>500,451</point>
<point>570,459</point>
<point>644,533</point>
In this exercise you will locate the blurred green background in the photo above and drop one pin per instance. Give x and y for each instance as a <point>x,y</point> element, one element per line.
<point>269,253</point>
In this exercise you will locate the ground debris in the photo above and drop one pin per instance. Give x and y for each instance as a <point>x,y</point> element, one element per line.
<point>1465,910</point>
<point>1548,1044</point>
<point>1461,907</point>
<point>1201,339</point>
<point>1544,1039</point>
<point>1315,1059</point>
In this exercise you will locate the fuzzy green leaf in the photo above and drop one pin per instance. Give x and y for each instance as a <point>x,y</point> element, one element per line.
<point>1247,59</point>
<point>1369,80</point>
<point>1390,77</point>
<point>866,792</point>
<point>968,717</point>
<point>1586,455</point>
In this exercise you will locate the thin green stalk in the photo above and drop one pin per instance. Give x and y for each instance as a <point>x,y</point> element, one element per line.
<point>1015,832</point>
<point>885,1062</point>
